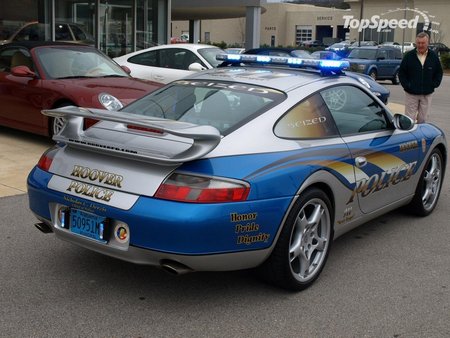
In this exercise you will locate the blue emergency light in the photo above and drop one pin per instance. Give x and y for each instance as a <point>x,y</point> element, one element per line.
<point>334,66</point>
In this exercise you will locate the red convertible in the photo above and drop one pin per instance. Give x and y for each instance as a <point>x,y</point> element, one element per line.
<point>45,75</point>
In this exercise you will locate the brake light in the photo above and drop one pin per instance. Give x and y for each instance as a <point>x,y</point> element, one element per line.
<point>200,189</point>
<point>46,159</point>
<point>139,128</point>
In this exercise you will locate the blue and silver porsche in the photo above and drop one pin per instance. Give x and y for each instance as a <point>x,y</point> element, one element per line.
<point>243,166</point>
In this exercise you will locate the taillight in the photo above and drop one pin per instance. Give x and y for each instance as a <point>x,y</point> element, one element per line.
<point>200,189</point>
<point>139,128</point>
<point>46,159</point>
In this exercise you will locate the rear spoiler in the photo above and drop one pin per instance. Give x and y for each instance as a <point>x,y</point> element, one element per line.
<point>202,139</point>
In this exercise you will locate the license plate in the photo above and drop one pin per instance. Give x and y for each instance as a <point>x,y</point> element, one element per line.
<point>87,225</point>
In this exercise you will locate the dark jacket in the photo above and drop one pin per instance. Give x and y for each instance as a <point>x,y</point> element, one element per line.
<point>418,80</point>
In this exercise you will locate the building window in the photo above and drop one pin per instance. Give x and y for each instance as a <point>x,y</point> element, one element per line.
<point>303,33</point>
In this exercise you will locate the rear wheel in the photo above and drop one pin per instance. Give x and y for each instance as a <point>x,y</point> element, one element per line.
<point>429,186</point>
<point>304,243</point>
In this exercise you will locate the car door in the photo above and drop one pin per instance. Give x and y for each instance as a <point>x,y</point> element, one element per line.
<point>19,96</point>
<point>383,65</point>
<point>384,158</point>
<point>174,64</point>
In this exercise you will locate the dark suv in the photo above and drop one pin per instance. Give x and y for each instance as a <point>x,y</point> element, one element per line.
<point>379,62</point>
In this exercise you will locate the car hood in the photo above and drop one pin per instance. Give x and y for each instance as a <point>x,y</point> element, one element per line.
<point>126,89</point>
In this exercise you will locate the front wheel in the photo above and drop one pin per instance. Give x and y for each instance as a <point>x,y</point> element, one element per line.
<point>373,74</point>
<point>429,186</point>
<point>304,243</point>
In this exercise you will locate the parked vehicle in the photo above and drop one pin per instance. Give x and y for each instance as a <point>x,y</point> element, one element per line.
<point>245,166</point>
<point>439,48</point>
<point>391,44</point>
<point>340,48</point>
<point>355,44</point>
<point>379,62</point>
<point>45,75</point>
<point>312,43</point>
<point>166,63</point>
<point>380,91</point>
<point>279,51</point>
<point>64,32</point>
<point>407,46</point>
<point>234,50</point>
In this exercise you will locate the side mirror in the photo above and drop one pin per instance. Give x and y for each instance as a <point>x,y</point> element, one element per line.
<point>196,67</point>
<point>126,69</point>
<point>380,58</point>
<point>403,122</point>
<point>23,71</point>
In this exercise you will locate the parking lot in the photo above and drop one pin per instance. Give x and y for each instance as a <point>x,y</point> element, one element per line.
<point>387,278</point>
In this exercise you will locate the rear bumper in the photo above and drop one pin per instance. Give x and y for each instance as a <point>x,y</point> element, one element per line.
<point>136,255</point>
<point>206,237</point>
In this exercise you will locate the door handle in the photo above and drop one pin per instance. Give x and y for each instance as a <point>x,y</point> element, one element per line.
<point>360,161</point>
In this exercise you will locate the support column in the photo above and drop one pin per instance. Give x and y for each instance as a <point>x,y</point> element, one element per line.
<point>194,31</point>
<point>252,27</point>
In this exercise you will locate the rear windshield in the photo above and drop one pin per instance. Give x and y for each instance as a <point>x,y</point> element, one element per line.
<point>224,105</point>
<point>210,55</point>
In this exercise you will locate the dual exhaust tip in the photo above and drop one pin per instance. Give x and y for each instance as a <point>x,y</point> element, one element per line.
<point>169,266</point>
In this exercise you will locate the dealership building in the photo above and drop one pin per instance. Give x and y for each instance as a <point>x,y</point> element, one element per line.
<point>287,24</point>
<point>122,26</point>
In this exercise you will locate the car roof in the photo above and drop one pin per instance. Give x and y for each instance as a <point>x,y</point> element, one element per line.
<point>190,46</point>
<point>34,44</point>
<point>376,47</point>
<point>279,78</point>
<point>271,48</point>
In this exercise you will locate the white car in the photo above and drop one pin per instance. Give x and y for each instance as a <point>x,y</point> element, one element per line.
<point>407,46</point>
<point>167,63</point>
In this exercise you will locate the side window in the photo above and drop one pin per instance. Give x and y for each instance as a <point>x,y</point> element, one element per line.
<point>5,59</point>
<point>62,33</point>
<point>176,58</point>
<point>382,54</point>
<point>78,33</point>
<point>309,119</point>
<point>146,59</point>
<point>354,111</point>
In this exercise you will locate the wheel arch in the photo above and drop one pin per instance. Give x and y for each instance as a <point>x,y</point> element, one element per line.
<point>372,68</point>
<point>324,181</point>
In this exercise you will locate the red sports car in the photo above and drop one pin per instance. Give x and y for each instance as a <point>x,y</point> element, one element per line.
<point>45,75</point>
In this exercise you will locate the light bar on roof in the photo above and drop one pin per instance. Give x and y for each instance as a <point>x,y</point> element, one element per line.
<point>324,65</point>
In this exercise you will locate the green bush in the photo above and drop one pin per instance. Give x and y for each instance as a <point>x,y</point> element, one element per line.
<point>445,60</point>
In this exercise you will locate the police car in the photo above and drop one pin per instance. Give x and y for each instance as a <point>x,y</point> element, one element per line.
<point>257,164</point>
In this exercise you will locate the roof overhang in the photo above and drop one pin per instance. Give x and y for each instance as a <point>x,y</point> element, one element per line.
<point>212,9</point>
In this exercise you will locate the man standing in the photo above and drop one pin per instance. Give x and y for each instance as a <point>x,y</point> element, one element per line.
<point>420,73</point>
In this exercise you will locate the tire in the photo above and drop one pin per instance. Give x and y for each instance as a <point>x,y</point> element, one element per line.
<point>429,186</point>
<point>304,243</point>
<point>395,80</point>
<point>373,74</point>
